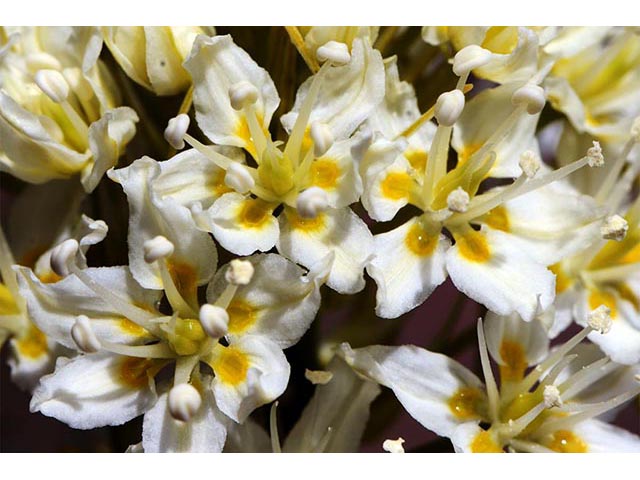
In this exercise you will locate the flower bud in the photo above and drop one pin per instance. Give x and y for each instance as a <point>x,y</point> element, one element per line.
<point>184,402</point>
<point>449,106</point>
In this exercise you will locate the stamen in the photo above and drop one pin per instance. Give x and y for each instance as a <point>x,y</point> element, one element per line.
<point>470,58</point>
<point>83,335</point>
<point>437,164</point>
<point>614,228</point>
<point>175,298</point>
<point>586,376</point>
<point>184,402</point>
<point>600,319</point>
<point>42,61</point>
<point>594,155</point>
<point>155,350</point>
<point>273,428</point>
<point>514,427</point>
<point>239,272</point>
<point>530,96</point>
<point>458,200</point>
<point>242,94</point>
<point>311,202</point>
<point>157,248</point>
<point>337,53</point>
<point>322,138</point>
<point>258,135</point>
<point>318,377</point>
<point>551,377</point>
<point>529,163</point>
<point>606,188</point>
<point>184,368</point>
<point>63,255</point>
<point>529,447</point>
<point>209,152</point>
<point>393,446</point>
<point>551,396</point>
<point>492,388</point>
<point>176,130</point>
<point>214,320</point>
<point>239,178</point>
<point>449,107</point>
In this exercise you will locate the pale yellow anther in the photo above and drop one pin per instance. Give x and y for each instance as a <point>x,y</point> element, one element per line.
<point>337,53</point>
<point>176,130</point>
<point>600,319</point>
<point>594,154</point>
<point>214,320</point>
<point>318,377</point>
<point>63,255</point>
<point>614,228</point>
<point>83,335</point>
<point>53,84</point>
<point>529,163</point>
<point>311,202</point>
<point>184,402</point>
<point>239,272</point>
<point>42,61</point>
<point>393,446</point>
<point>449,107</point>
<point>458,200</point>
<point>238,178</point>
<point>530,95</point>
<point>157,248</point>
<point>242,94</point>
<point>551,396</point>
<point>322,138</point>
<point>469,58</point>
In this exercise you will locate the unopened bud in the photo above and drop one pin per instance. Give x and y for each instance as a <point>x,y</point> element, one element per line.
<point>594,154</point>
<point>176,130</point>
<point>312,202</point>
<point>458,200</point>
<point>214,320</point>
<point>63,255</point>
<point>614,228</point>
<point>184,402</point>
<point>242,94</point>
<point>239,272</point>
<point>83,336</point>
<point>551,396</point>
<point>238,178</point>
<point>393,446</point>
<point>449,106</point>
<point>157,248</point>
<point>336,53</point>
<point>53,84</point>
<point>322,138</point>
<point>600,319</point>
<point>530,95</point>
<point>529,163</point>
<point>469,58</point>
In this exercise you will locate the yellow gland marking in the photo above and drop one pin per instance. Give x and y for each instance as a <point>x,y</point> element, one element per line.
<point>34,344</point>
<point>242,131</point>
<point>498,218</point>
<point>627,294</point>
<point>417,159</point>
<point>241,315</point>
<point>632,255</point>
<point>306,224</point>
<point>325,173</point>
<point>396,185</point>
<point>30,258</point>
<point>231,366</point>
<point>8,305</point>
<point>49,277</point>
<point>466,152</point>
<point>598,297</point>
<point>254,213</point>
<point>131,328</point>
<point>474,246</point>
<point>465,403</point>
<point>216,184</point>
<point>135,372</point>
<point>563,281</point>
<point>483,442</point>
<point>501,40</point>
<point>564,441</point>
<point>515,362</point>
<point>307,142</point>
<point>184,277</point>
<point>420,242</point>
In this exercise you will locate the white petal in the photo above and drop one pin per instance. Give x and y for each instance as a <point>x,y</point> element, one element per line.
<point>496,273</point>
<point>204,433</point>
<point>32,359</point>
<point>335,230</point>
<point>481,117</point>
<point>54,307</point>
<point>337,412</point>
<point>509,336</point>
<point>108,138</point>
<point>595,436</point>
<point>243,225</point>
<point>408,265</point>
<point>465,435</point>
<point>247,437</point>
<point>151,216</point>
<point>89,391</point>
<point>216,64</point>
<point>279,303</point>
<point>424,382</point>
<point>249,373</point>
<point>348,93</point>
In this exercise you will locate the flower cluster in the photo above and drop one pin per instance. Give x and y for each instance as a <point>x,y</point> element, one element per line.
<point>506,160</point>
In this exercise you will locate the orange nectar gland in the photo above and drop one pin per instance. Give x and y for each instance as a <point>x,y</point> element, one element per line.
<point>466,403</point>
<point>135,372</point>
<point>396,186</point>
<point>306,224</point>
<point>483,442</point>
<point>598,297</point>
<point>131,328</point>
<point>231,366</point>
<point>498,219</point>
<point>242,315</point>
<point>33,344</point>
<point>565,441</point>
<point>324,173</point>
<point>420,242</point>
<point>515,362</point>
<point>473,246</point>
<point>254,213</point>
